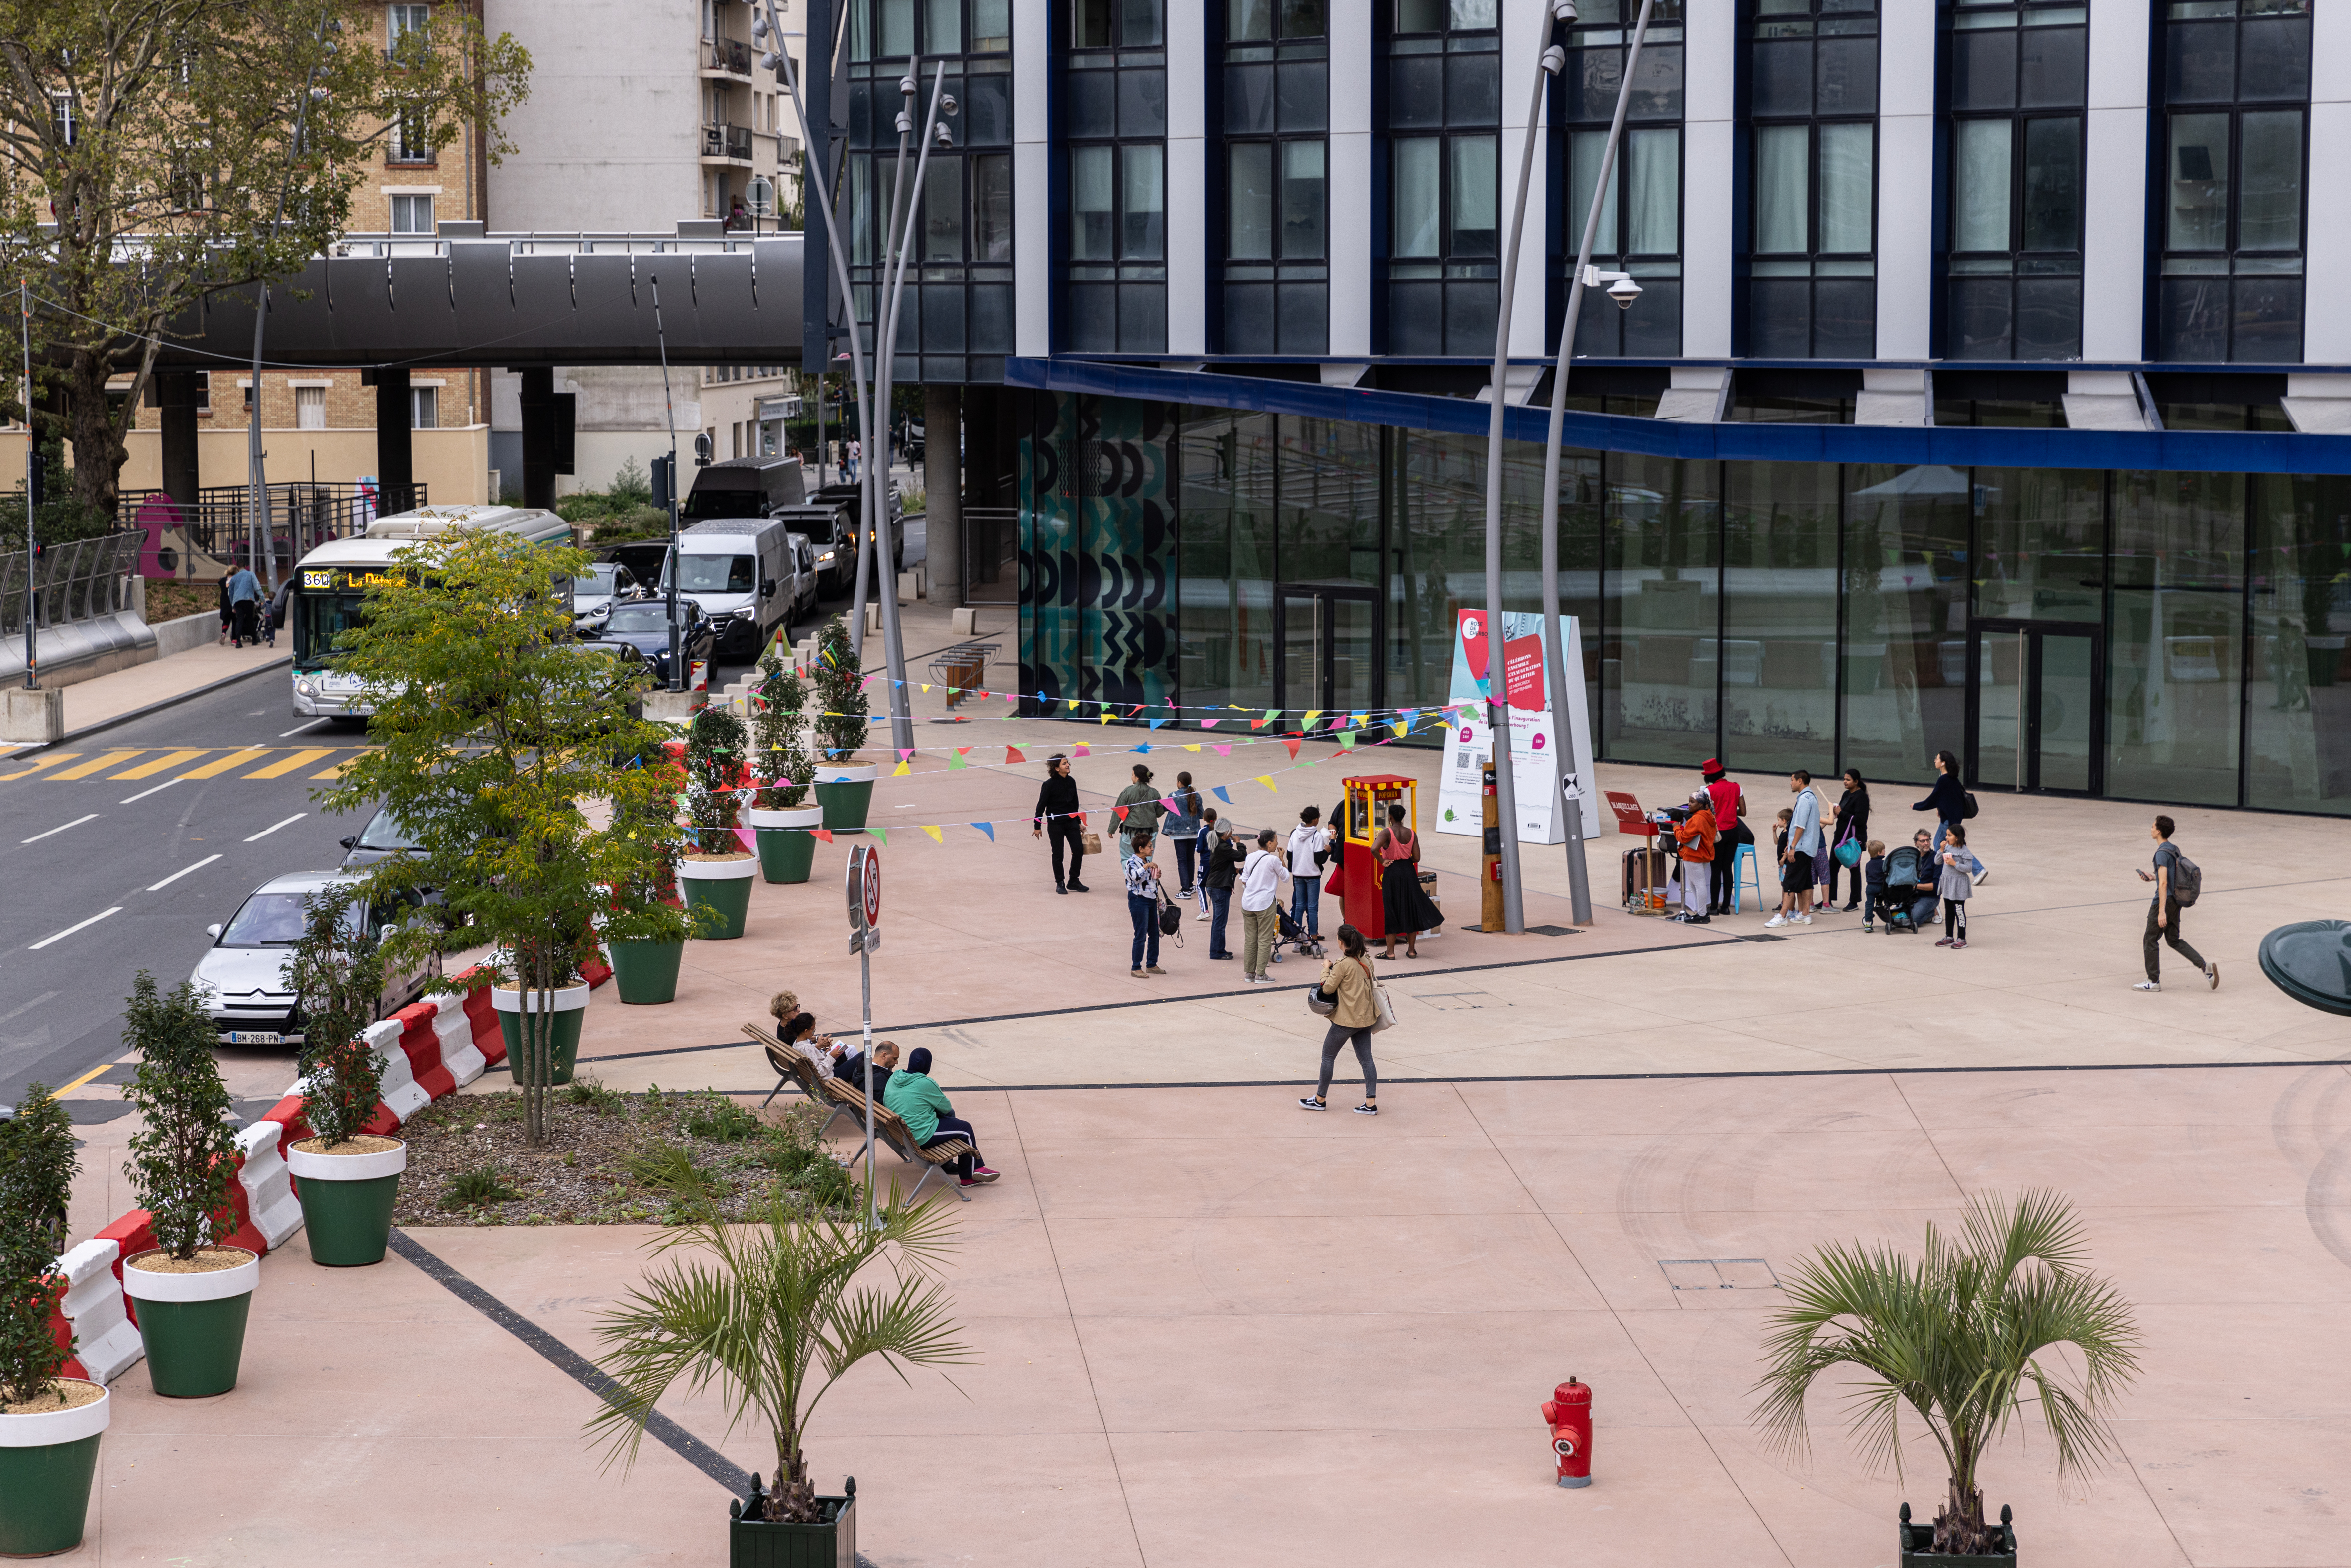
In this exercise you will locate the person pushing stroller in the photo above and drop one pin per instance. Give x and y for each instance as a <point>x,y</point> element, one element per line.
<point>1902,885</point>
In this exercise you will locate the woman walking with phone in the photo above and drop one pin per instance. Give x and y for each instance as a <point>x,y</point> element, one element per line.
<point>1348,979</point>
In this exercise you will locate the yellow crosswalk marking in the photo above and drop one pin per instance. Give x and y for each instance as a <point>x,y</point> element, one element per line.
<point>338,770</point>
<point>98,764</point>
<point>43,762</point>
<point>300,759</point>
<point>234,759</point>
<point>169,760</point>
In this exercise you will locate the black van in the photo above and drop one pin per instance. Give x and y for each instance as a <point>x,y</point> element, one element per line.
<point>743,488</point>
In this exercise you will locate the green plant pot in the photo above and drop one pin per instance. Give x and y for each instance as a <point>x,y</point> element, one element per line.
<point>192,1325</point>
<point>1914,1546</point>
<point>845,791</point>
<point>565,1050</point>
<point>786,841</point>
<point>347,1202</point>
<point>645,973</point>
<point>721,886</point>
<point>46,1464</point>
<point>759,1543</point>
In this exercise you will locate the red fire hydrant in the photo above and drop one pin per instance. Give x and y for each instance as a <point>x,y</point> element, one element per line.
<point>1569,1413</point>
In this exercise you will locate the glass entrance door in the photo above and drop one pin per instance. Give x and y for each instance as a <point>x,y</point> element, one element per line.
<point>2033,698</point>
<point>1329,642</point>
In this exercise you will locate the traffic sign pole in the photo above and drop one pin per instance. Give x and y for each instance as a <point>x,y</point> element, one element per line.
<point>865,935</point>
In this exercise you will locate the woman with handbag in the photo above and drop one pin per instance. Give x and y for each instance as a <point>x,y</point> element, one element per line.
<point>1142,907</point>
<point>1356,1013</point>
<point>1058,819</point>
<point>1406,909</point>
<point>1851,837</point>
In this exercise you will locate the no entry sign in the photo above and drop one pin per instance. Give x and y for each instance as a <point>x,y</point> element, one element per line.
<point>864,898</point>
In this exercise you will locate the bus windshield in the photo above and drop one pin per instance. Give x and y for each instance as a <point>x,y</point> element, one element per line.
<point>319,616</point>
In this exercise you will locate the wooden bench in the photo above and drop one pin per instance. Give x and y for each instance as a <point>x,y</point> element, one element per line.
<point>793,1069</point>
<point>846,1099</point>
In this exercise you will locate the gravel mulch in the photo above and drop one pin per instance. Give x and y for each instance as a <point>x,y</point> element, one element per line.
<point>608,1159</point>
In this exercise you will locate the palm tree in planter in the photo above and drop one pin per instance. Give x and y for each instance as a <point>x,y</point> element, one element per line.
<point>717,870</point>
<point>347,1177</point>
<point>843,787</point>
<point>49,1425</point>
<point>774,1313</point>
<point>785,826</point>
<point>193,1287</point>
<point>1962,1337</point>
<point>511,756</point>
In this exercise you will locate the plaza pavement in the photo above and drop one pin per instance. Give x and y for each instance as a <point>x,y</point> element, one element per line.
<point>1214,1329</point>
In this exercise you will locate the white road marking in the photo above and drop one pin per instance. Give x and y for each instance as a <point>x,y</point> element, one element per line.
<point>275,826</point>
<point>158,789</point>
<point>74,927</point>
<point>77,822</point>
<point>28,1006</point>
<point>183,872</point>
<point>300,727</point>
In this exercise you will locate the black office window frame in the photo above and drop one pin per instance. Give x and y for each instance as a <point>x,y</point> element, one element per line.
<point>1660,275</point>
<point>1136,292</point>
<point>1468,284</point>
<point>1294,293</point>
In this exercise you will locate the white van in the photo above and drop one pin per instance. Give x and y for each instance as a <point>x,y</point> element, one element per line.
<point>744,573</point>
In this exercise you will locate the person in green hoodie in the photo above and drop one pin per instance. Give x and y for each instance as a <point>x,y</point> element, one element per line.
<point>917,1099</point>
<point>1143,811</point>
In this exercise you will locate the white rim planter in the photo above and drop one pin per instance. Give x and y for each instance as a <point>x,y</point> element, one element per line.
<point>731,870</point>
<point>219,1285</point>
<point>846,772</point>
<point>50,1427</point>
<point>788,817</point>
<point>307,1166</point>
<point>568,999</point>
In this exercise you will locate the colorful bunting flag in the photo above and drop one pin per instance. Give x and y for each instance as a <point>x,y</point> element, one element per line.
<point>825,834</point>
<point>1220,792</point>
<point>955,758</point>
<point>1081,750</point>
<point>1311,714</point>
<point>1013,754</point>
<point>1267,780</point>
<point>1293,746</point>
<point>900,770</point>
<point>987,828</point>
<point>938,837</point>
<point>1347,740</point>
<point>1224,751</point>
<point>881,833</point>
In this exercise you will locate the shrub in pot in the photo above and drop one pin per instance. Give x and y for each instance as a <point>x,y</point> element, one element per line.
<point>1962,1338</point>
<point>49,1424</point>
<point>716,872</point>
<point>193,1287</point>
<point>843,787</point>
<point>775,1310</point>
<point>781,818</point>
<point>346,1176</point>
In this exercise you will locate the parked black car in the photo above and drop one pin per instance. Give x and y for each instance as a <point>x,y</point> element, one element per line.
<point>645,626</point>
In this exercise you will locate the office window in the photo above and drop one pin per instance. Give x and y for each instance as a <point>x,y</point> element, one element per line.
<point>2236,91</point>
<point>1116,97</point>
<point>1444,113</point>
<point>1277,291</point>
<point>412,214</point>
<point>412,139</point>
<point>425,408</point>
<point>2017,83</point>
<point>1640,219</point>
<point>310,408</point>
<point>1811,289</point>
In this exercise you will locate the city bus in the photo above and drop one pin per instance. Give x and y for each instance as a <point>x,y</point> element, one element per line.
<point>331,582</point>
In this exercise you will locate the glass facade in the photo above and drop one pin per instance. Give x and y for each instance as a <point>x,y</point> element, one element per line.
<point>1640,227</point>
<point>2177,637</point>
<point>1277,91</point>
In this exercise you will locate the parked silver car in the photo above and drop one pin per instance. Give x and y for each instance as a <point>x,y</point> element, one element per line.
<point>242,980</point>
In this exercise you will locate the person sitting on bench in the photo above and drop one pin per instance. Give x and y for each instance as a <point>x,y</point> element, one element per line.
<point>851,1070</point>
<point>919,1102</point>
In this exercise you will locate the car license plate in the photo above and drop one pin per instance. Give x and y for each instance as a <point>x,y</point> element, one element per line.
<point>256,1036</point>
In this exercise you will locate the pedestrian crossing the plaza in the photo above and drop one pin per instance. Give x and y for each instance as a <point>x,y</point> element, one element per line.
<point>158,765</point>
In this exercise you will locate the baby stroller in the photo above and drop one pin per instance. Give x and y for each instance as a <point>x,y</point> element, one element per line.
<point>1897,900</point>
<point>1291,935</point>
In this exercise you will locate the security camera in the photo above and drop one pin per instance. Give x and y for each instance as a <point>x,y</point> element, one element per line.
<point>1563,12</point>
<point>948,105</point>
<point>939,135</point>
<point>1555,60</point>
<point>1623,291</point>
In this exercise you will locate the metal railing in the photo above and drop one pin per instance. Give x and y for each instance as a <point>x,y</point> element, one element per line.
<point>731,55</point>
<point>303,515</point>
<point>726,142</point>
<point>77,581</point>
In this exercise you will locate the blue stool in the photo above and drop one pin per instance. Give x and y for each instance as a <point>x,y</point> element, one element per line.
<point>1744,870</point>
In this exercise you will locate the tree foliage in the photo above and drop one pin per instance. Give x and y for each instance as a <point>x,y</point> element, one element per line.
<point>152,158</point>
<point>36,1172</point>
<point>183,1155</point>
<point>840,691</point>
<point>782,723</point>
<point>773,1313</point>
<point>337,973</point>
<point>496,735</point>
<point>1962,1337</point>
<point>716,741</point>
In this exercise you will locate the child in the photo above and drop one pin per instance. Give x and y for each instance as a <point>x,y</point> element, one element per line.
<point>1790,888</point>
<point>1696,834</point>
<point>1873,875</point>
<point>1957,880</point>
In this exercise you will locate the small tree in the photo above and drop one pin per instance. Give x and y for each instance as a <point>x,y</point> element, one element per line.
<point>183,1155</point>
<point>782,723</point>
<point>645,906</point>
<point>772,1311</point>
<point>715,744</point>
<point>1960,1338</point>
<point>495,734</point>
<point>336,975</point>
<point>841,690</point>
<point>36,1172</point>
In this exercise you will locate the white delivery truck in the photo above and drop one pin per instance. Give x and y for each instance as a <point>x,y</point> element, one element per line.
<point>745,574</point>
<point>330,587</point>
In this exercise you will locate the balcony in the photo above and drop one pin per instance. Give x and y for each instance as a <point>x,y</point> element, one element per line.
<point>726,143</point>
<point>727,57</point>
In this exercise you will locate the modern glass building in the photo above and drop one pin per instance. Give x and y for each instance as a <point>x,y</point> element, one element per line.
<point>1984,392</point>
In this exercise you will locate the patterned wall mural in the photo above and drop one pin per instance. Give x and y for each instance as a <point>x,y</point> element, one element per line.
<point>1098,550</point>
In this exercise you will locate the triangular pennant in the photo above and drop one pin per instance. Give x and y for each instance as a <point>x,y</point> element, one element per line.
<point>1400,726</point>
<point>1210,722</point>
<point>750,842</point>
<point>1270,715</point>
<point>1347,740</point>
<point>1267,780</point>
<point>1219,791</point>
<point>1073,704</point>
<point>937,835</point>
<point>900,770</point>
<point>987,828</point>
<point>1167,804</point>
<point>1081,750</point>
<point>1119,812</point>
<point>1224,751</point>
<point>1012,754</point>
<point>1104,715</point>
<point>1311,714</point>
<point>1191,748</point>
<point>1145,746</point>
<point>906,754</point>
<point>927,686</point>
<point>955,758</point>
<point>881,833</point>
<point>1158,722</point>
<point>825,833</point>
<point>1293,746</point>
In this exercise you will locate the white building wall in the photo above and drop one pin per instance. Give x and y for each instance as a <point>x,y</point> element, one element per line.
<point>1032,68</point>
<point>2326,330</point>
<point>2114,183</point>
<point>1187,178</point>
<point>1352,201</point>
<point>1906,180</point>
<point>1710,245</point>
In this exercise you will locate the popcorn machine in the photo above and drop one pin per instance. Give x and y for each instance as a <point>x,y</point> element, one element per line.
<point>1361,818</point>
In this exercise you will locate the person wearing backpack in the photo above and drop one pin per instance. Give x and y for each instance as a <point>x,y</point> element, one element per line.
<point>1952,803</point>
<point>2178,882</point>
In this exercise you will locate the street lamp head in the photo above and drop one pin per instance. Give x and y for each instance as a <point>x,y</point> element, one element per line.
<point>948,105</point>
<point>773,61</point>
<point>906,86</point>
<point>939,135</point>
<point>759,30</point>
<point>318,95</point>
<point>1555,60</point>
<point>1623,291</point>
<point>905,123</point>
<point>1563,12</point>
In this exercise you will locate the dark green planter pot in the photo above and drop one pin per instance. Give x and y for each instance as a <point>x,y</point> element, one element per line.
<point>758,1544</point>
<point>1914,1546</point>
<point>346,1203</point>
<point>786,844</point>
<point>645,973</point>
<point>845,791</point>
<point>570,1011</point>
<point>727,897</point>
<point>193,1326</point>
<point>44,1485</point>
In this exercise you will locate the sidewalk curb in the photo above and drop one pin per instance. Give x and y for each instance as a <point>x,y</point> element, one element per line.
<point>103,725</point>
